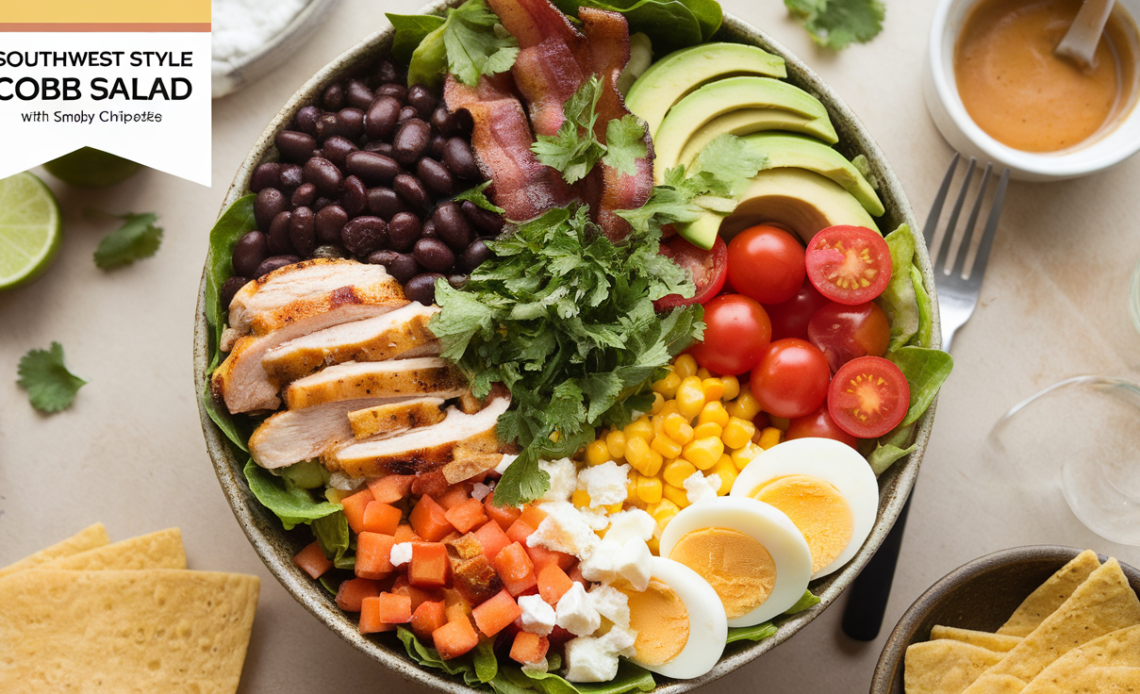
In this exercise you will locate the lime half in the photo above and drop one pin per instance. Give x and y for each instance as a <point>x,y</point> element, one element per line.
<point>30,229</point>
<point>92,168</point>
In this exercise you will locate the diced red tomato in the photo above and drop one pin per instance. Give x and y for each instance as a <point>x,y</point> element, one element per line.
<point>492,537</point>
<point>428,617</point>
<point>515,569</point>
<point>455,638</point>
<point>429,565</point>
<point>529,648</point>
<point>495,614</point>
<point>312,560</point>
<point>354,507</point>
<point>380,517</point>
<point>352,592</point>
<point>429,520</point>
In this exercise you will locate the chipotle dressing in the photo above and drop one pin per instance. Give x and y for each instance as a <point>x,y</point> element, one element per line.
<point>1023,95</point>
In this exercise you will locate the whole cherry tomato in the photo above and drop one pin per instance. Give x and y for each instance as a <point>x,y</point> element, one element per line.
<point>819,424</point>
<point>766,263</point>
<point>790,318</point>
<point>737,332</point>
<point>708,268</point>
<point>791,379</point>
<point>844,333</point>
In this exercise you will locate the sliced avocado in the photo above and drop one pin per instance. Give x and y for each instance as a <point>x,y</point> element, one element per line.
<point>797,199</point>
<point>784,150</point>
<point>668,80</point>
<point>722,97</point>
<point>753,120</point>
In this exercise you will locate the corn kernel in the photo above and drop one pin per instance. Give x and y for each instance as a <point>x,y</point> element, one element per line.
<point>677,428</point>
<point>555,436</point>
<point>668,385</point>
<point>770,437</point>
<point>690,399</point>
<point>713,412</point>
<point>731,387</point>
<point>744,406</point>
<point>663,512</point>
<point>658,403</point>
<point>654,545</point>
<point>658,422</point>
<point>780,423</point>
<point>640,428</point>
<point>678,496</point>
<point>666,446</point>
<point>613,508</point>
<point>678,471</point>
<point>725,468</point>
<point>597,452</point>
<point>704,452</point>
<point>580,498</point>
<point>703,373</point>
<point>707,429</point>
<point>713,389</point>
<point>685,366</point>
<point>738,432</point>
<point>742,456</point>
<point>335,495</point>
<point>670,407</point>
<point>615,443</point>
<point>637,454</point>
<point>656,460</point>
<point>649,489</point>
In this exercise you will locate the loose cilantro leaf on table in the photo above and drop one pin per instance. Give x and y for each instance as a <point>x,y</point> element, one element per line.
<point>564,319</point>
<point>837,23</point>
<point>138,238</point>
<point>51,387</point>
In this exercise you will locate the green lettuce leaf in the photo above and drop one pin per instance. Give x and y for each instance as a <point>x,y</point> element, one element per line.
<point>806,601</point>
<point>234,223</point>
<point>222,418</point>
<point>925,334</point>
<point>756,632</point>
<point>410,31</point>
<point>478,667</point>
<point>925,370</point>
<point>891,448</point>
<point>428,64</point>
<point>332,535</point>
<point>293,505</point>
<point>899,300</point>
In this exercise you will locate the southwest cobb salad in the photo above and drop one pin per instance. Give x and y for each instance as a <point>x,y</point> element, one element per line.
<point>568,341</point>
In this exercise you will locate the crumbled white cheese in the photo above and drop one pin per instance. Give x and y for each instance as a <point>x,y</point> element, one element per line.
<point>633,523</point>
<point>597,520</point>
<point>698,487</point>
<point>505,463</point>
<point>605,483</point>
<point>538,617</point>
<point>564,530</point>
<point>563,479</point>
<point>611,603</point>
<point>401,553</point>
<point>620,640</point>
<point>633,563</point>
<point>590,660</point>
<point>576,613</point>
<point>600,566</point>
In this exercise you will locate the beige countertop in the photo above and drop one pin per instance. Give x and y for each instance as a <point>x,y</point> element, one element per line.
<point>130,452</point>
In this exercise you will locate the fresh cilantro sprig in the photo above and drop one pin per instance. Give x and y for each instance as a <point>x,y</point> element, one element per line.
<point>51,387</point>
<point>474,48</point>
<point>136,239</point>
<point>838,23</point>
<point>564,318</point>
<point>575,148</point>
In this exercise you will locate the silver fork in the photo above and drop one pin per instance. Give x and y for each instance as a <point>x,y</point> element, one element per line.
<point>958,289</point>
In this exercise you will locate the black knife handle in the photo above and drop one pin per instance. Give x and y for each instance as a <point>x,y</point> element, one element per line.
<point>867,600</point>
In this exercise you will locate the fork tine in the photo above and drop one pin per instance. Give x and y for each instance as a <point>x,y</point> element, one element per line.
<point>991,227</point>
<point>952,225</point>
<point>968,236</point>
<point>936,209</point>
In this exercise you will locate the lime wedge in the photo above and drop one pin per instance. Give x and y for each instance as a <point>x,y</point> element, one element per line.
<point>92,168</point>
<point>30,229</point>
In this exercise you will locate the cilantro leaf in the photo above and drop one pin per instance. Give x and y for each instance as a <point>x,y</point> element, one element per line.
<point>625,144</point>
<point>478,197</point>
<point>473,47</point>
<point>410,31</point>
<point>51,387</point>
<point>838,23</point>
<point>138,238</point>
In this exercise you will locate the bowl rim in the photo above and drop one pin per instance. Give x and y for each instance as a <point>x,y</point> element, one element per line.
<point>266,535</point>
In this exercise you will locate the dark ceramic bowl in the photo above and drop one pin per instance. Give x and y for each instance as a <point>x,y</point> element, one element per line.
<point>980,595</point>
<point>277,547</point>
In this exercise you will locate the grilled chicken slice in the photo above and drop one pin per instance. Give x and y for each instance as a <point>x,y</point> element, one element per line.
<point>461,442</point>
<point>391,419</point>
<point>375,339</point>
<point>380,379</point>
<point>295,435</point>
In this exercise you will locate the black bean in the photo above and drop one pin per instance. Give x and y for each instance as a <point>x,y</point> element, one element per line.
<point>307,119</point>
<point>374,145</point>
<point>438,146</point>
<point>443,122</point>
<point>321,203</point>
<point>249,251</point>
<point>336,149</point>
<point>421,288</point>
<point>401,266</point>
<point>294,145</point>
<point>302,232</point>
<point>231,287</point>
<point>429,231</point>
<point>333,98</point>
<point>458,281</point>
<point>403,230</point>
<point>291,177</point>
<point>324,175</point>
<point>357,94</point>
<point>354,196</point>
<point>406,114</point>
<point>435,177</point>
<point>434,255</point>
<point>372,168</point>
<point>380,119</point>
<point>364,235</point>
<point>351,121</point>
<point>304,196</point>
<point>488,223</point>
<point>274,262</point>
<point>385,148</point>
<point>328,125</point>
<point>411,141</point>
<point>460,160</point>
<point>384,202</point>
<point>412,191</point>
<point>279,243</point>
<point>328,222</point>
<point>422,100</point>
<point>397,91</point>
<point>267,175</point>
<point>475,255</point>
<point>330,251</point>
<point>269,203</point>
<point>452,226</point>
<point>387,72</point>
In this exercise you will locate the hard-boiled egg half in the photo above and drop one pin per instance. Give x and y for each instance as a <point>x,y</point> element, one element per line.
<point>681,628</point>
<point>827,490</point>
<point>749,552</point>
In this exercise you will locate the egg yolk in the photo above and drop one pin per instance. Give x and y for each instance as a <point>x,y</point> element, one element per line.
<point>740,569</point>
<point>817,509</point>
<point>659,617</point>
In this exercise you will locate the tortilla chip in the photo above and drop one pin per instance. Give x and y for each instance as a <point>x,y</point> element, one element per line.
<point>125,631</point>
<point>996,684</point>
<point>984,639</point>
<point>1102,604</point>
<point>1108,664</point>
<point>88,538</point>
<point>160,550</point>
<point>1050,595</point>
<point>945,666</point>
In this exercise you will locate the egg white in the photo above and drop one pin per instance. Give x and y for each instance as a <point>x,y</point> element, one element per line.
<point>831,461</point>
<point>767,525</point>
<point>708,626</point>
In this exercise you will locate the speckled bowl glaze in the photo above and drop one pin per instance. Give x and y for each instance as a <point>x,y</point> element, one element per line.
<point>277,547</point>
<point>980,595</point>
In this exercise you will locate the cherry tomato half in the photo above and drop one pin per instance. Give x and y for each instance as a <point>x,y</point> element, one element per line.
<point>708,268</point>
<point>844,333</point>
<point>847,264</point>
<point>791,379</point>
<point>766,263</point>
<point>737,332</point>
<point>790,318</point>
<point>868,397</point>
<point>820,425</point>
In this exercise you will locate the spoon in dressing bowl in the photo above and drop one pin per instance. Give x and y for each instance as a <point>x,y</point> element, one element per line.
<point>1080,41</point>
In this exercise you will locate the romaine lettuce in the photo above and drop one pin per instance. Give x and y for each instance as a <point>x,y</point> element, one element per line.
<point>899,300</point>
